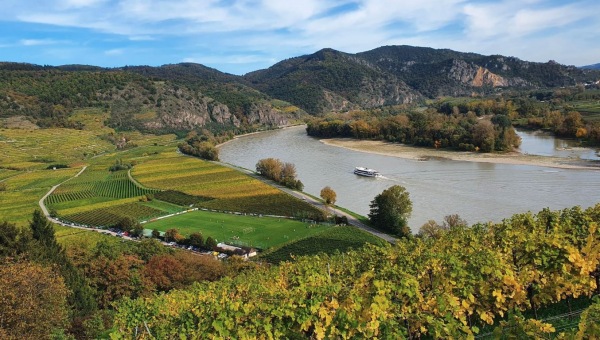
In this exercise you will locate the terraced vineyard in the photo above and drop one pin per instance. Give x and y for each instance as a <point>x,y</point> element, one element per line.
<point>178,197</point>
<point>97,183</point>
<point>337,239</point>
<point>24,189</point>
<point>110,216</point>
<point>35,149</point>
<point>101,198</point>
<point>223,188</point>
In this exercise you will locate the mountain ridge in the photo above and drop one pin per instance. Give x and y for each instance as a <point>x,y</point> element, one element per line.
<point>591,67</point>
<point>188,96</point>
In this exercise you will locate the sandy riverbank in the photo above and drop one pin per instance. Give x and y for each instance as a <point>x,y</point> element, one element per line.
<point>424,154</point>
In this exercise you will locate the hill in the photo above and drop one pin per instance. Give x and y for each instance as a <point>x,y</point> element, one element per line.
<point>187,96</point>
<point>169,98</point>
<point>329,80</point>
<point>591,67</point>
<point>332,80</point>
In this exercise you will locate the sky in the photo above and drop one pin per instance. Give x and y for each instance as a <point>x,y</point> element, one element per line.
<point>239,36</point>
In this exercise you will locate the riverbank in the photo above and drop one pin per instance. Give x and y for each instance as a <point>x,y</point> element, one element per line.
<point>257,132</point>
<point>424,154</point>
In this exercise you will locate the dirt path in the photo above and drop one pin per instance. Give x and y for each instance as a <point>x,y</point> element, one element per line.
<point>41,202</point>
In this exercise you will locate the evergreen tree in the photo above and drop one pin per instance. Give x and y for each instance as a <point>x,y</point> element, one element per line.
<point>45,249</point>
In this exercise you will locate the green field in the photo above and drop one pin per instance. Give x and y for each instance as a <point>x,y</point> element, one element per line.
<point>335,239</point>
<point>259,232</point>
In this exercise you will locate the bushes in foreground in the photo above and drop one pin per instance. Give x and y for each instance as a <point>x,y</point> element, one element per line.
<point>455,285</point>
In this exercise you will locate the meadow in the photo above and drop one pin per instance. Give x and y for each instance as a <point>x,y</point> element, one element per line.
<point>259,232</point>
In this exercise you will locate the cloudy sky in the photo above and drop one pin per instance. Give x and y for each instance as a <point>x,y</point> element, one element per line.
<point>238,36</point>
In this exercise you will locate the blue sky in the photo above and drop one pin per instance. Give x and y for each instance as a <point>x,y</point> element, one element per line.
<point>239,36</point>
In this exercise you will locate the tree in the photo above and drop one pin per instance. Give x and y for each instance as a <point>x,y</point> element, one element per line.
<point>195,240</point>
<point>149,247</point>
<point>33,301</point>
<point>484,135</point>
<point>391,209</point>
<point>42,230</point>
<point>288,175</point>
<point>207,150</point>
<point>270,168</point>
<point>431,229</point>
<point>46,250</point>
<point>118,278</point>
<point>328,195</point>
<point>454,220</point>
<point>137,230</point>
<point>173,235</point>
<point>210,244</point>
<point>13,240</point>
<point>126,223</point>
<point>155,233</point>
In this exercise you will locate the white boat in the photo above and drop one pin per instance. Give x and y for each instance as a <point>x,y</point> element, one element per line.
<point>366,172</point>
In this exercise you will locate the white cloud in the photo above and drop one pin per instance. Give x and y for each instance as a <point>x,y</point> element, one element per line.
<point>267,29</point>
<point>113,52</point>
<point>38,42</point>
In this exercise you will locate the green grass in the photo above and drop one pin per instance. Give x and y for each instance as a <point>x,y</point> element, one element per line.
<point>259,232</point>
<point>335,239</point>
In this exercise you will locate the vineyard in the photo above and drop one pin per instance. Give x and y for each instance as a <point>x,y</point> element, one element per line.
<point>24,189</point>
<point>331,241</point>
<point>97,183</point>
<point>222,188</point>
<point>485,281</point>
<point>178,197</point>
<point>35,149</point>
<point>112,215</point>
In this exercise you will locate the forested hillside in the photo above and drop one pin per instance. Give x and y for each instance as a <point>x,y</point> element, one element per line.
<point>330,80</point>
<point>186,96</point>
<point>168,99</point>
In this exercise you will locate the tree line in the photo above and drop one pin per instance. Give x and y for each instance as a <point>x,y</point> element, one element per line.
<point>281,172</point>
<point>427,128</point>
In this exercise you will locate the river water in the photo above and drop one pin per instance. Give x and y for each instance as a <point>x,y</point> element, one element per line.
<point>544,144</point>
<point>478,192</point>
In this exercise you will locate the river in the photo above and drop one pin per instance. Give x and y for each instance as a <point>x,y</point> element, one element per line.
<point>478,192</point>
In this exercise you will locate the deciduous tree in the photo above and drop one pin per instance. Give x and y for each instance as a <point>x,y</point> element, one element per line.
<point>33,301</point>
<point>391,209</point>
<point>328,195</point>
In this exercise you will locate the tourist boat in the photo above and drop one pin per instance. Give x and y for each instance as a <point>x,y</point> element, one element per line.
<point>366,172</point>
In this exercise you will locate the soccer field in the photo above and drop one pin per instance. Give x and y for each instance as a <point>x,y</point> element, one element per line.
<point>259,232</point>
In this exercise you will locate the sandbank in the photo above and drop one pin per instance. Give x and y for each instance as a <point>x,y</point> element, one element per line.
<point>425,154</point>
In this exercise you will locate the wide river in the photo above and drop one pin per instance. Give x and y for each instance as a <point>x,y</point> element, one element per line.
<point>478,192</point>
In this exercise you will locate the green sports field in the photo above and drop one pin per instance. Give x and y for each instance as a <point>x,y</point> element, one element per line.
<point>259,232</point>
